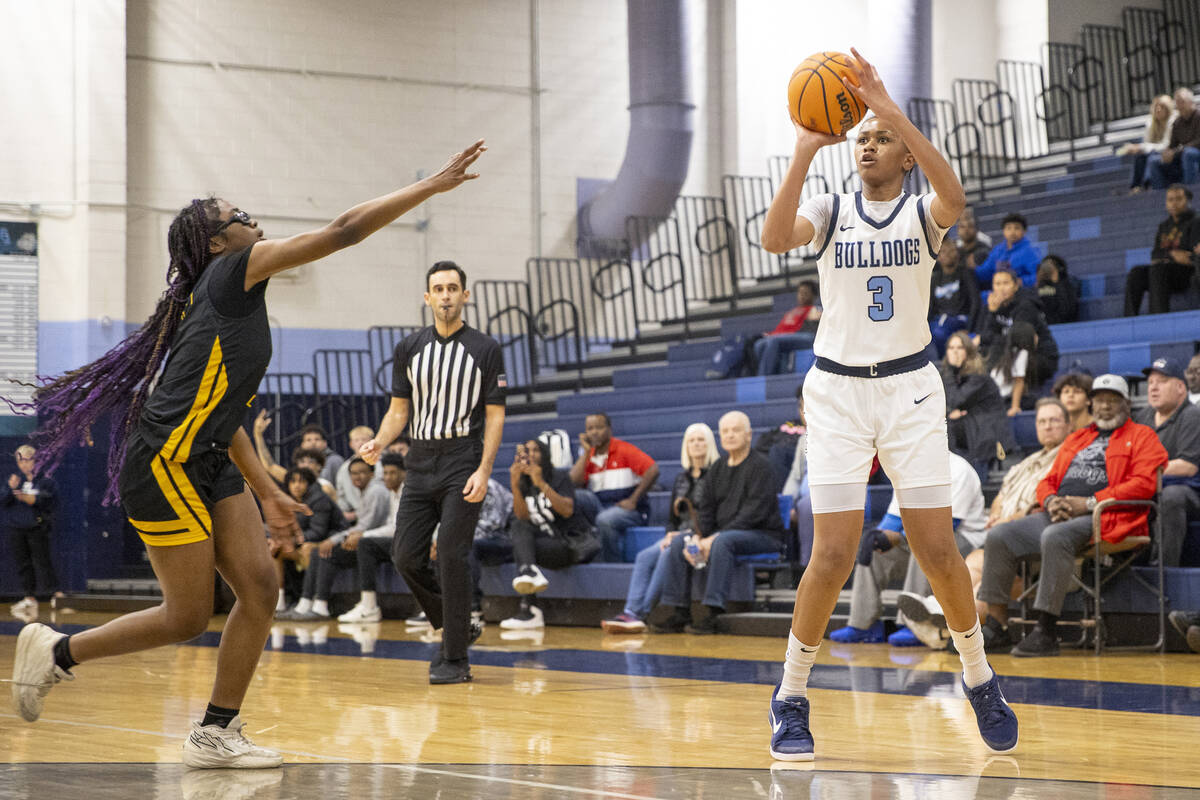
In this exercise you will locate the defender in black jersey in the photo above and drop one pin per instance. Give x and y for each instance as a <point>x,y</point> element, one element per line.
<point>187,458</point>
<point>448,388</point>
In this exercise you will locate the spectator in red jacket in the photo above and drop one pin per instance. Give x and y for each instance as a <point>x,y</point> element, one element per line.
<point>795,331</point>
<point>1114,457</point>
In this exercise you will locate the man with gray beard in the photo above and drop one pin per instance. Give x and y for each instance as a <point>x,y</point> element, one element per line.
<point>1114,457</point>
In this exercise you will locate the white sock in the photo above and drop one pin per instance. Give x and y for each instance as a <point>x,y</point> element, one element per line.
<point>281,603</point>
<point>797,664</point>
<point>321,607</point>
<point>278,637</point>
<point>368,601</point>
<point>304,606</point>
<point>320,635</point>
<point>970,650</point>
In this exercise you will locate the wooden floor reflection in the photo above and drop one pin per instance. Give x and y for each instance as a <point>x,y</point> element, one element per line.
<point>569,701</point>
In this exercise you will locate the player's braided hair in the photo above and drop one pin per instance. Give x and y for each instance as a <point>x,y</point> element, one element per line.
<point>69,405</point>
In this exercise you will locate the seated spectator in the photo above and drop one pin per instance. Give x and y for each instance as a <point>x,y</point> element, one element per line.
<point>313,459</point>
<point>1074,391</point>
<point>313,437</point>
<point>547,532</point>
<point>884,553</point>
<point>975,420</point>
<point>795,331</point>
<point>1177,424</point>
<point>373,546</point>
<point>738,515</point>
<point>779,445</point>
<point>326,519</point>
<point>1170,268</point>
<point>1188,625</point>
<point>1192,374</point>
<point>973,246</point>
<point>1180,159</point>
<point>1008,304</point>
<point>1015,253</point>
<point>338,551</point>
<point>1154,140</point>
<point>1057,291</point>
<point>1112,457</point>
<point>699,451</point>
<point>953,297</point>
<point>401,445</point>
<point>1013,365</point>
<point>1016,499</point>
<point>349,495</point>
<point>617,476</point>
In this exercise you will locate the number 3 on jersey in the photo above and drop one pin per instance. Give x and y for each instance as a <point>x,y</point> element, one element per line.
<point>880,288</point>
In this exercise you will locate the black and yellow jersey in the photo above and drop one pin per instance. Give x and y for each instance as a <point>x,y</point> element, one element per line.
<point>217,359</point>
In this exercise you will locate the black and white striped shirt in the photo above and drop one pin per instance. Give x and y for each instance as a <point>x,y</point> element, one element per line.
<point>448,382</point>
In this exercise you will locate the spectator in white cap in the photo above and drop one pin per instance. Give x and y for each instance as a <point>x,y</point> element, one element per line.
<point>1114,457</point>
<point>1177,423</point>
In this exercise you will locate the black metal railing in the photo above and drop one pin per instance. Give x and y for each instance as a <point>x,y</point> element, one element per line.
<point>1108,46</point>
<point>747,198</point>
<point>599,290</point>
<point>381,344</point>
<point>707,247</point>
<point>347,392</point>
<point>289,397</point>
<point>1181,38</point>
<point>505,315</point>
<point>661,294</point>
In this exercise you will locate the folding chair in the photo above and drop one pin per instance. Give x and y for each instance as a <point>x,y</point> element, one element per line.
<point>1108,560</point>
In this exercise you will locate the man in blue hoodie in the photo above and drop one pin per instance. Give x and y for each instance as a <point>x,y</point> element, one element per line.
<point>1015,252</point>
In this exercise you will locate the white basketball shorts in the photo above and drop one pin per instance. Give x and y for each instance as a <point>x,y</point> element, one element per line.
<point>902,418</point>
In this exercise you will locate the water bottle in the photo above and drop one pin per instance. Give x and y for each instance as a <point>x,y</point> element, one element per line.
<point>692,546</point>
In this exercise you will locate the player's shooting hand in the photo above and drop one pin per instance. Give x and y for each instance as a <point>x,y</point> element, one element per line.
<point>454,171</point>
<point>870,88</point>
<point>808,138</point>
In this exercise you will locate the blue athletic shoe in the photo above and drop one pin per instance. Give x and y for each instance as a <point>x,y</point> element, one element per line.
<point>903,637</point>
<point>790,739</point>
<point>997,722</point>
<point>852,635</point>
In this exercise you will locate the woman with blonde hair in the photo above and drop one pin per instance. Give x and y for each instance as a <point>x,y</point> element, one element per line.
<point>697,453</point>
<point>976,422</point>
<point>1154,140</point>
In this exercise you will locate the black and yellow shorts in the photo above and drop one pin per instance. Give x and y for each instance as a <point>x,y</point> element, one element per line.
<point>169,502</point>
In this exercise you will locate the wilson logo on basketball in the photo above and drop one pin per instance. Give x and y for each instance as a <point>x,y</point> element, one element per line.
<point>847,120</point>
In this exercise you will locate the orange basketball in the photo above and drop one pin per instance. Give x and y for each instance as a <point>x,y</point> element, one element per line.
<point>818,97</point>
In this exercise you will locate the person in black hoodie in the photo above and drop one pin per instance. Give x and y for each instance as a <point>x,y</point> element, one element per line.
<point>1057,290</point>
<point>975,418</point>
<point>1171,267</point>
<point>326,519</point>
<point>1008,303</point>
<point>953,296</point>
<point>29,502</point>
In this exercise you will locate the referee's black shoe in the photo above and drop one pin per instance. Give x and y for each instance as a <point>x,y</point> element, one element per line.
<point>439,656</point>
<point>450,671</point>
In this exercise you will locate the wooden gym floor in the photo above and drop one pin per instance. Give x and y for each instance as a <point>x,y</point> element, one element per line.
<point>574,713</point>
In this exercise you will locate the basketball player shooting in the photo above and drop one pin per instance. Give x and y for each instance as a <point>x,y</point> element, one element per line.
<point>873,391</point>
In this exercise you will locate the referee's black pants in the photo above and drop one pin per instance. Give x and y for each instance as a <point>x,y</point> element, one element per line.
<point>437,473</point>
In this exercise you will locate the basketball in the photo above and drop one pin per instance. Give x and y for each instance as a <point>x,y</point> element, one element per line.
<point>818,97</point>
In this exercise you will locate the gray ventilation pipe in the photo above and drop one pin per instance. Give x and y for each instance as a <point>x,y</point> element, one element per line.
<point>660,122</point>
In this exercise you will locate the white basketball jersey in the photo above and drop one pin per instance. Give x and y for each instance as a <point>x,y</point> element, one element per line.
<point>874,262</point>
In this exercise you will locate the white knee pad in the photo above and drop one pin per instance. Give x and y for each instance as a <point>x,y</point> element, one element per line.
<point>924,496</point>
<point>830,498</point>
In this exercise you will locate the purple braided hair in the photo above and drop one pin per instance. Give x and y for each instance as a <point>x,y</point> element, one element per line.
<point>69,405</point>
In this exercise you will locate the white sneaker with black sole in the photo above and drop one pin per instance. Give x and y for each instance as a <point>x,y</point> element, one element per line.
<point>34,671</point>
<point>530,580</point>
<point>361,613</point>
<point>214,747</point>
<point>924,617</point>
<point>525,619</point>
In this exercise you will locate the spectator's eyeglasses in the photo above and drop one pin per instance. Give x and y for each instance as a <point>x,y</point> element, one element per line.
<point>238,216</point>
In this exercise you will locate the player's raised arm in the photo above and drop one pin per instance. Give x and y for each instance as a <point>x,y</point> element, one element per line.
<point>782,229</point>
<point>951,199</point>
<point>271,256</point>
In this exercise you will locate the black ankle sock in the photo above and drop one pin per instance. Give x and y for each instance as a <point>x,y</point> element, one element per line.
<point>1048,622</point>
<point>215,715</point>
<point>715,611</point>
<point>62,654</point>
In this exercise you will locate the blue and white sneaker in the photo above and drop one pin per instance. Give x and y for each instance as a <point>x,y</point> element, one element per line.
<point>997,722</point>
<point>790,738</point>
<point>853,635</point>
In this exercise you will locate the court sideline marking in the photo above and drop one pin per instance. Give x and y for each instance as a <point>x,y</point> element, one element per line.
<point>519,782</point>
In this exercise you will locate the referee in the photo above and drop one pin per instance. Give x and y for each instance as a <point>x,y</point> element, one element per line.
<point>448,388</point>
